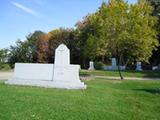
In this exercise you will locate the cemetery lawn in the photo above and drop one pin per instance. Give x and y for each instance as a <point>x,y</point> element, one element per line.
<point>127,73</point>
<point>102,100</point>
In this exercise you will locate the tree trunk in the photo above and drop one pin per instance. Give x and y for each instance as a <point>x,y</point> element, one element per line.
<point>119,69</point>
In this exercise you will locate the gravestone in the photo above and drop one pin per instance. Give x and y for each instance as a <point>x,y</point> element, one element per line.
<point>59,75</point>
<point>62,56</point>
<point>114,64</point>
<point>138,66</point>
<point>154,67</point>
<point>91,65</point>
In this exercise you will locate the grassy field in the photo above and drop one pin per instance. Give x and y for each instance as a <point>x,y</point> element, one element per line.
<point>102,100</point>
<point>128,73</point>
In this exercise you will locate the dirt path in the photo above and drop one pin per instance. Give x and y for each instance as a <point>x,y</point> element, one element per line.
<point>9,74</point>
<point>125,78</point>
<point>5,75</point>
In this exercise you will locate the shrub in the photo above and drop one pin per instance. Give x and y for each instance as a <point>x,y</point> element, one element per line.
<point>5,67</point>
<point>98,65</point>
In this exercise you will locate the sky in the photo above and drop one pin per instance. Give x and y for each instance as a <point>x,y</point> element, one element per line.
<point>18,18</point>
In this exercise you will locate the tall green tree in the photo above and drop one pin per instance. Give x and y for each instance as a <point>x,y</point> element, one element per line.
<point>4,54</point>
<point>31,41</point>
<point>89,30</point>
<point>125,31</point>
<point>25,51</point>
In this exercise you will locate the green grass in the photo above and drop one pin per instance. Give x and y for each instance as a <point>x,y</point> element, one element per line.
<point>129,73</point>
<point>102,100</point>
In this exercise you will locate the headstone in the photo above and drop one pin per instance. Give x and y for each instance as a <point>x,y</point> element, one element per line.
<point>138,66</point>
<point>154,67</point>
<point>91,65</point>
<point>59,75</point>
<point>123,67</point>
<point>114,62</point>
<point>62,56</point>
<point>114,66</point>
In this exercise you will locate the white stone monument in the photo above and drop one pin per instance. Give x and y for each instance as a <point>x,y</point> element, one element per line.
<point>154,68</point>
<point>59,75</point>
<point>114,64</point>
<point>138,66</point>
<point>91,65</point>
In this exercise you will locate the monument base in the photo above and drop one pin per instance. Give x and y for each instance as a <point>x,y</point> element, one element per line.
<point>47,84</point>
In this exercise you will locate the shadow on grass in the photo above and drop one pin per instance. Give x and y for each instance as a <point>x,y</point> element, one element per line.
<point>144,73</point>
<point>152,91</point>
<point>125,73</point>
<point>84,74</point>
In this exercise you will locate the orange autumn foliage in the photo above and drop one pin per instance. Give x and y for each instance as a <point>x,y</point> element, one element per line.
<point>42,49</point>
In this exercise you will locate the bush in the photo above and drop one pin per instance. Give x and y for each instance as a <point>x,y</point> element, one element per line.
<point>5,67</point>
<point>99,65</point>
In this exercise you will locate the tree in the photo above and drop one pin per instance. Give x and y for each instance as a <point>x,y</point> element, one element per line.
<point>31,41</point>
<point>20,53</point>
<point>25,51</point>
<point>89,32</point>
<point>42,49</point>
<point>4,55</point>
<point>95,45</point>
<point>127,32</point>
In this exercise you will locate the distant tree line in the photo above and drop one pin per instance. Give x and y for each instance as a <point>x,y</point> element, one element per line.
<point>128,32</point>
